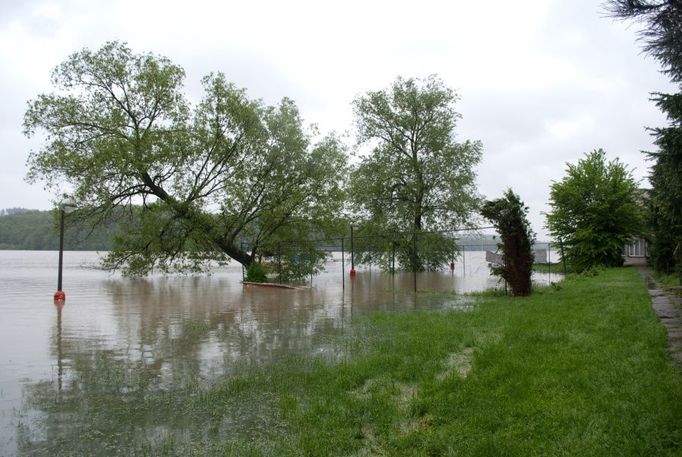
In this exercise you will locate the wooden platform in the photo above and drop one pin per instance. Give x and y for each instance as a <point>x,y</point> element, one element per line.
<point>273,284</point>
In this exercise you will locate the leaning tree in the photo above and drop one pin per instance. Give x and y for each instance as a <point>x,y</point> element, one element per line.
<point>227,176</point>
<point>417,180</point>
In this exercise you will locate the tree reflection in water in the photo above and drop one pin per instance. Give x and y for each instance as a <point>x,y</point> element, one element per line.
<point>169,374</point>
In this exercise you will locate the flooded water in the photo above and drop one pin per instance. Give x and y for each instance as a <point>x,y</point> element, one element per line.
<point>165,333</point>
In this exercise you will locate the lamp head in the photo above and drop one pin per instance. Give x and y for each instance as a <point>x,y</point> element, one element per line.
<point>68,205</point>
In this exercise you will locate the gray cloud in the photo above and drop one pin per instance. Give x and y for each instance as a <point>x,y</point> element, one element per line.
<point>541,82</point>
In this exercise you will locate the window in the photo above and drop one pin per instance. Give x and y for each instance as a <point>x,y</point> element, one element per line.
<point>637,248</point>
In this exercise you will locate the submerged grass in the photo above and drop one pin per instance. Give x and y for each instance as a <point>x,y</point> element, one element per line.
<point>578,370</point>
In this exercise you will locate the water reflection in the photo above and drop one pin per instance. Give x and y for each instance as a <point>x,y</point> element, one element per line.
<point>120,365</point>
<point>59,305</point>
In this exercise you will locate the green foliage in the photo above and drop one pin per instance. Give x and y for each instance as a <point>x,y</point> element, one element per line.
<point>669,280</point>
<point>298,262</point>
<point>156,238</point>
<point>661,35</point>
<point>595,211</point>
<point>294,256</point>
<point>256,272</point>
<point>417,178</point>
<point>661,38</point>
<point>120,132</point>
<point>665,216</point>
<point>508,214</point>
<point>416,251</point>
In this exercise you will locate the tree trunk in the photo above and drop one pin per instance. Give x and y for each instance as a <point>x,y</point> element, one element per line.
<point>186,212</point>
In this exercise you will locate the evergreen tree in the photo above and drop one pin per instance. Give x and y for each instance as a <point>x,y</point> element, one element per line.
<point>662,39</point>
<point>508,214</point>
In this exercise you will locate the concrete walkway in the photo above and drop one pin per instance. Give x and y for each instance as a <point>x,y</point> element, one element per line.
<point>668,308</point>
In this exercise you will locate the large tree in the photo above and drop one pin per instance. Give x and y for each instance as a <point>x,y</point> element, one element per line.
<point>662,37</point>
<point>596,211</point>
<point>225,176</point>
<point>417,179</point>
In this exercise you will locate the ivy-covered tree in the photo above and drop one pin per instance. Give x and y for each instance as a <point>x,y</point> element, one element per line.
<point>509,216</point>
<point>662,38</point>
<point>596,211</point>
<point>120,132</point>
<point>417,180</point>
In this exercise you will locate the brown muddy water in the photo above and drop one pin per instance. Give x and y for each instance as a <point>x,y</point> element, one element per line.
<point>115,334</point>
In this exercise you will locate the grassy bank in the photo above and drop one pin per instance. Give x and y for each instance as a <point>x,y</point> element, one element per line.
<point>668,280</point>
<point>579,370</point>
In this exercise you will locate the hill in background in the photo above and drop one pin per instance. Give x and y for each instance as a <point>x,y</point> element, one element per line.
<point>24,229</point>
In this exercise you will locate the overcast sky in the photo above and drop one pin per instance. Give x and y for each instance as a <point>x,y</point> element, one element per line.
<point>541,81</point>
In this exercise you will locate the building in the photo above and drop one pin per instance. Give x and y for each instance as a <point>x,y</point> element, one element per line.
<point>636,253</point>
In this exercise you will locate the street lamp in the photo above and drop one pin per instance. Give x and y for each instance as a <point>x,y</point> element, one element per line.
<point>67,205</point>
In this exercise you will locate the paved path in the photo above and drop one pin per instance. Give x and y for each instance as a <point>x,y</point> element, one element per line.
<point>668,307</point>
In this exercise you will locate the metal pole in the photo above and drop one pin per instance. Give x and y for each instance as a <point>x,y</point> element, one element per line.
<point>279,261</point>
<point>393,269</point>
<point>241,245</point>
<point>563,257</point>
<point>352,252</point>
<point>393,257</point>
<point>452,263</point>
<point>343,265</point>
<point>65,206</point>
<point>549,260</point>
<point>414,260</point>
<point>61,250</point>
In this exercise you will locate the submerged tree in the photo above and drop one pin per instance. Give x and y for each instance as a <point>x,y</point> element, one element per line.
<point>595,211</point>
<point>509,216</point>
<point>662,37</point>
<point>120,133</point>
<point>417,180</point>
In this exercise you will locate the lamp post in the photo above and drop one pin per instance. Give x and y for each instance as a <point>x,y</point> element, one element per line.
<point>67,205</point>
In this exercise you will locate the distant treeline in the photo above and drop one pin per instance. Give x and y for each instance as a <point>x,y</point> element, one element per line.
<point>471,242</point>
<point>24,229</point>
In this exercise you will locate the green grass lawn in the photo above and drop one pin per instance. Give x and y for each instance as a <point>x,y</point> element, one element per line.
<point>580,369</point>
